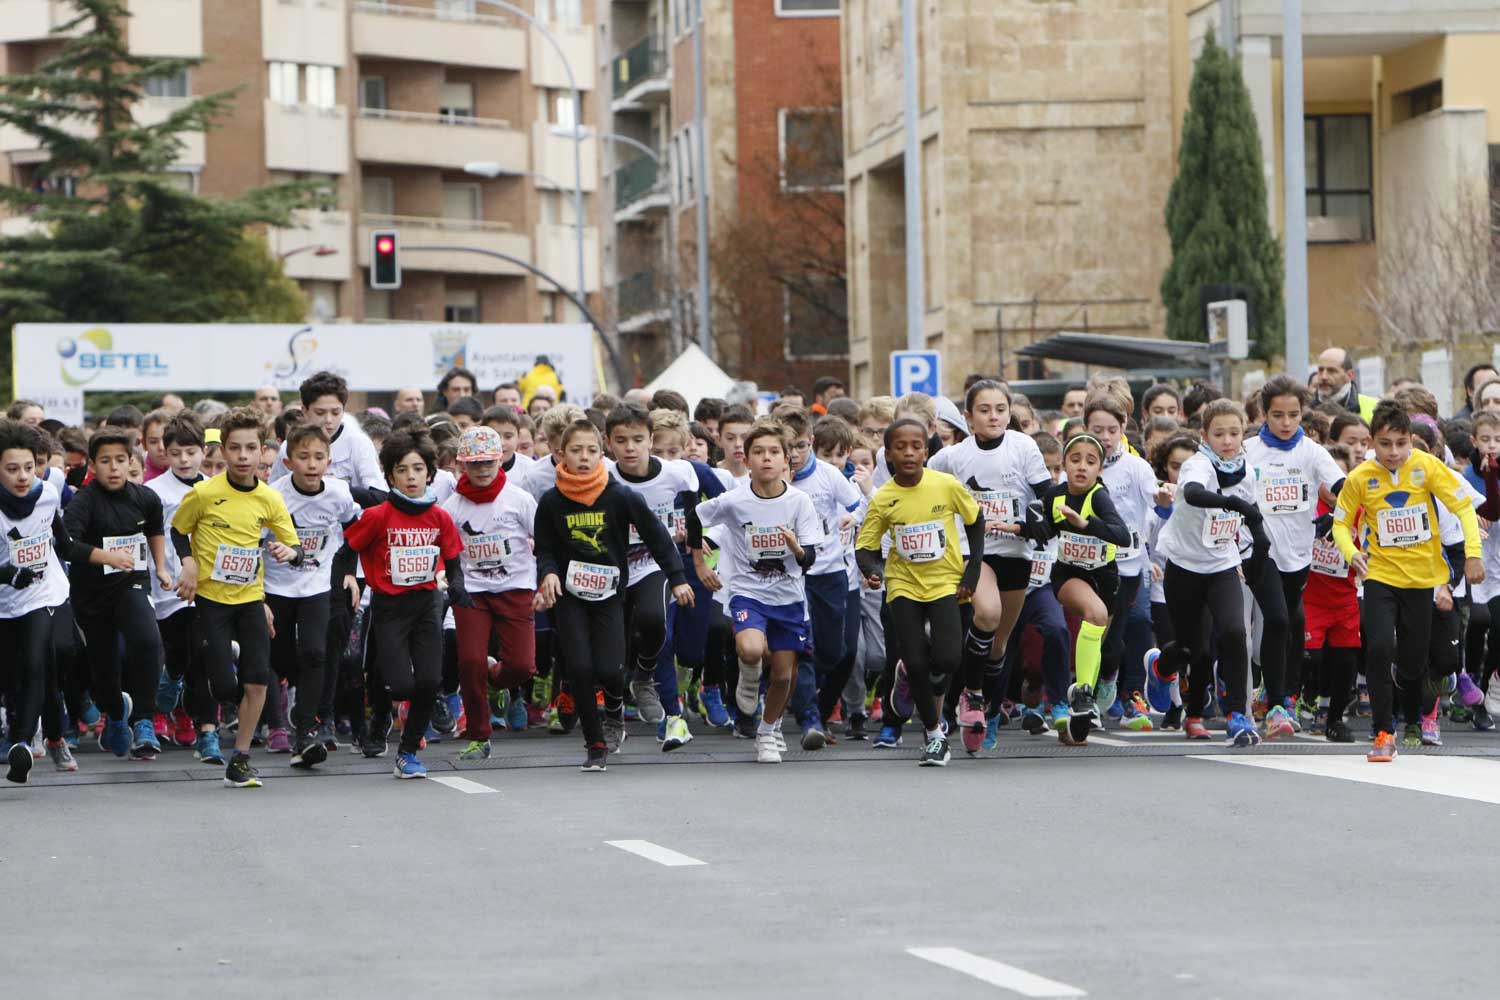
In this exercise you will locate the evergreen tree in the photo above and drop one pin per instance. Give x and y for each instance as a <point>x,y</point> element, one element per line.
<point>116,240</point>
<point>1216,211</point>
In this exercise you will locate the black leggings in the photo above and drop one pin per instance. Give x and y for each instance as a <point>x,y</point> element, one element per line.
<point>221,624</point>
<point>591,650</point>
<point>407,633</point>
<point>1484,640</point>
<point>68,654</point>
<point>1113,649</point>
<point>1397,629</point>
<point>130,616</point>
<point>1279,597</point>
<point>299,655</point>
<point>930,660</point>
<point>1335,669</point>
<point>182,651</point>
<point>1206,606</point>
<point>646,610</point>
<point>27,642</point>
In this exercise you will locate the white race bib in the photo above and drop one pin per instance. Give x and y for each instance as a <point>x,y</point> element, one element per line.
<point>31,553</point>
<point>313,542</point>
<point>1083,551</point>
<point>115,543</point>
<point>414,565</point>
<point>765,542</point>
<point>666,514</point>
<point>1284,494</point>
<point>998,507</point>
<point>1220,528</point>
<point>923,542</point>
<point>1399,527</point>
<point>1327,559</point>
<point>236,565</point>
<point>591,581</point>
<point>486,552</point>
<point>1041,567</point>
<point>1123,555</point>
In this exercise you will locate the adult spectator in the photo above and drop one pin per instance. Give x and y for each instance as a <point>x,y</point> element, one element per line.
<point>409,400</point>
<point>540,374</point>
<point>825,391</point>
<point>1474,378</point>
<point>1487,397</point>
<point>26,411</point>
<point>1073,399</point>
<point>457,383</point>
<point>267,402</point>
<point>1334,383</point>
<point>508,394</point>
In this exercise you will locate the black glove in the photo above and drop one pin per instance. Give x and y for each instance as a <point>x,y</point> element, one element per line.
<point>1246,509</point>
<point>18,577</point>
<point>458,596</point>
<point>1035,528</point>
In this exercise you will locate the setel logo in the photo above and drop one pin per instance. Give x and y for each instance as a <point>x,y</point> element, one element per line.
<point>82,359</point>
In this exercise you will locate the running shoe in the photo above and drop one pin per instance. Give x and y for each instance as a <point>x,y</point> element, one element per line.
<point>1482,719</point>
<point>1338,732</point>
<point>744,726</point>
<point>971,721</point>
<point>901,702</point>
<point>374,744</point>
<point>206,748</point>
<point>162,727</point>
<point>1259,703</point>
<point>535,717</point>
<point>1384,750</point>
<point>647,699</point>
<point>1362,704</point>
<point>780,739</point>
<point>747,690</point>
<point>117,737</point>
<point>476,751</point>
<point>1459,713</point>
<point>239,773</point>
<point>1289,705</point>
<point>1172,720</point>
<point>20,760</point>
<point>89,714</point>
<point>1319,725</point>
<point>838,714</point>
<point>814,737</point>
<point>1305,713</point>
<point>856,728</point>
<point>935,753</point>
<point>1194,729</point>
<point>62,755</point>
<point>1136,716</point>
<point>677,734</point>
<point>497,708</point>
<point>407,766</point>
<point>328,736</point>
<point>1432,733</point>
<point>279,740</point>
<point>184,733</point>
<point>516,716</point>
<point>1492,697</point>
<point>1108,696</point>
<point>1241,731</point>
<point>1059,716</point>
<point>309,750</point>
<point>1447,686</point>
<point>597,759</point>
<point>442,720</point>
<point>1083,712</point>
<point>143,744</point>
<point>1006,712</point>
<point>765,749</point>
<point>554,721</point>
<point>992,730</point>
<point>889,738</point>
<point>1411,736</point>
<point>343,732</point>
<point>71,738</point>
<point>614,732</point>
<point>714,712</point>
<point>1158,688</point>
<point>1032,721</point>
<point>877,711</point>
<point>1278,723</point>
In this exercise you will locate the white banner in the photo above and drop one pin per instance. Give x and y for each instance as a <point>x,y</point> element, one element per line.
<point>169,357</point>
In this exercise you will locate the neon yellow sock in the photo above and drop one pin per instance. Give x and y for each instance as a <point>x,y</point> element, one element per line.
<point>1086,653</point>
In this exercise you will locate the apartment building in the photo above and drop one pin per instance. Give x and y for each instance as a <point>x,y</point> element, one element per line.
<point>386,103</point>
<point>764,143</point>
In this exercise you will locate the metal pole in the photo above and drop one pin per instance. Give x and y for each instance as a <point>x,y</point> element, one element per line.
<point>916,295</point>
<point>705,335</point>
<point>1295,180</point>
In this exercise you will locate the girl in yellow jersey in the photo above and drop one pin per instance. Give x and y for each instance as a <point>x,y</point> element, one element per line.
<point>1402,561</point>
<point>925,576</point>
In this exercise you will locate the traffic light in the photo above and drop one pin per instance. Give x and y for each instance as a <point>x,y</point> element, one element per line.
<point>385,260</point>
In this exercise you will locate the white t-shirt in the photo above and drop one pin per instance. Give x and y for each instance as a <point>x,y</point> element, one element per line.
<point>443,485</point>
<point>1489,589</point>
<point>497,552</point>
<point>660,493</point>
<point>1154,525</point>
<point>1200,539</point>
<point>752,524</point>
<point>1451,529</point>
<point>319,518</point>
<point>1287,493</point>
<point>541,476</point>
<point>1132,486</point>
<point>352,458</point>
<point>833,496</point>
<point>1000,479</point>
<point>28,543</point>
<point>166,603</point>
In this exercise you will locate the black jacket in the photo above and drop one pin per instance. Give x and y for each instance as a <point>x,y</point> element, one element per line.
<point>567,531</point>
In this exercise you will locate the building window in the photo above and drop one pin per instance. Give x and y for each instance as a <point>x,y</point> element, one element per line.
<point>807,8</point>
<point>461,201</point>
<point>174,85</point>
<point>816,321</point>
<point>564,113</point>
<point>377,304</point>
<point>1339,204</point>
<point>378,196</point>
<point>461,305</point>
<point>684,163</point>
<point>372,93</point>
<point>282,83</point>
<point>320,81</point>
<point>457,100</point>
<point>568,13</point>
<point>812,149</point>
<point>455,10</point>
<point>1417,101</point>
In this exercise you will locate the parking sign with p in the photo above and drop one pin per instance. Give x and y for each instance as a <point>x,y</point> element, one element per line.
<point>916,371</point>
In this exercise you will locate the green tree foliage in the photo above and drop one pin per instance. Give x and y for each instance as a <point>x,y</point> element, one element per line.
<point>115,239</point>
<point>1216,211</point>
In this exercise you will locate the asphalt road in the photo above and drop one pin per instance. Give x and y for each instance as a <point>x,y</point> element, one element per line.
<point>1120,870</point>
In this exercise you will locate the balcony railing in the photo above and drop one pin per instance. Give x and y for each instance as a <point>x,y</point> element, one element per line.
<point>644,60</point>
<point>637,179</point>
<point>428,118</point>
<point>639,294</point>
<point>433,13</point>
<point>434,222</point>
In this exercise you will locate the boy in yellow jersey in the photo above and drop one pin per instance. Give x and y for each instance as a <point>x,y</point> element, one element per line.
<point>925,575</point>
<point>217,535</point>
<point>1402,561</point>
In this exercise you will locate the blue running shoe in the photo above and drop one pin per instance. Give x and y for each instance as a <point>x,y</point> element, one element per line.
<point>889,738</point>
<point>1059,716</point>
<point>143,743</point>
<point>714,712</point>
<point>992,732</point>
<point>90,713</point>
<point>432,735</point>
<point>455,705</point>
<point>116,737</point>
<point>1033,720</point>
<point>407,766</point>
<point>167,693</point>
<point>515,714</point>
<point>1158,688</point>
<point>1116,711</point>
<point>207,749</point>
<point>1241,732</point>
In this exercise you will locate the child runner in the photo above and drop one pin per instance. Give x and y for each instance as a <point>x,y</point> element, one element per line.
<point>733,426</point>
<point>925,575</point>
<point>1483,473</point>
<point>1166,462</point>
<point>1331,637</point>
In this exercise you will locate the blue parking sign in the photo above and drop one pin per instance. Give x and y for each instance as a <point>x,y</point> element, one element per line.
<point>916,371</point>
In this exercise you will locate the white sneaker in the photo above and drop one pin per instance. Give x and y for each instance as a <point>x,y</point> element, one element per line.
<point>1492,697</point>
<point>747,691</point>
<point>780,740</point>
<point>765,749</point>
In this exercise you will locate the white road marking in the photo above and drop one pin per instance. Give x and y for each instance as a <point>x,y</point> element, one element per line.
<point>655,852</point>
<point>987,970</point>
<point>461,784</point>
<point>1471,778</point>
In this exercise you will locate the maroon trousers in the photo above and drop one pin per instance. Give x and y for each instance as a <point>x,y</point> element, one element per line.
<point>509,617</point>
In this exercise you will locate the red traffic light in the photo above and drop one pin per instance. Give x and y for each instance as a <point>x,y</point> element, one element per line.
<point>385,244</point>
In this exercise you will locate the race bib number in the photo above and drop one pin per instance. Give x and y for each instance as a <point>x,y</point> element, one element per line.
<point>1133,550</point>
<point>1083,551</point>
<point>998,507</point>
<point>116,543</point>
<point>664,513</point>
<point>31,553</point>
<point>1285,495</point>
<point>414,565</point>
<point>486,552</point>
<point>313,542</point>
<point>236,565</point>
<point>847,535</point>
<point>1328,560</point>
<point>1400,527</point>
<point>765,542</point>
<point>591,581</point>
<point>923,542</point>
<point>1220,528</point>
<point>1041,568</point>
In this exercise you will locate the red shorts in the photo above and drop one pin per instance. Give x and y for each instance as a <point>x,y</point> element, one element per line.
<point>1336,627</point>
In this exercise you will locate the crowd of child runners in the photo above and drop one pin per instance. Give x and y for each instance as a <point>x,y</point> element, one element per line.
<point>258,581</point>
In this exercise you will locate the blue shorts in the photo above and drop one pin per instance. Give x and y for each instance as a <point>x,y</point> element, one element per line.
<point>785,625</point>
